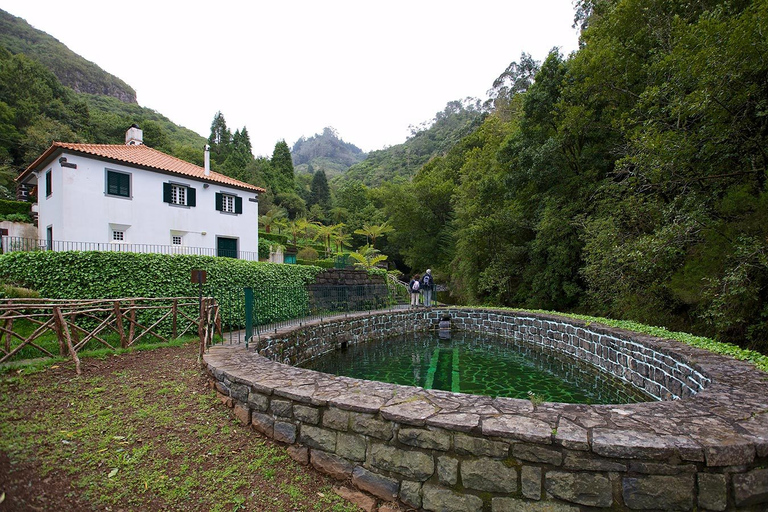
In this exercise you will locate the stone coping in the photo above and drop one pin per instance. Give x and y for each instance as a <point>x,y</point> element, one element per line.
<point>439,450</point>
<point>724,424</point>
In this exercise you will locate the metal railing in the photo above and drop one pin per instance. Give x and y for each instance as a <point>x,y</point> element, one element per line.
<point>15,244</point>
<point>255,310</point>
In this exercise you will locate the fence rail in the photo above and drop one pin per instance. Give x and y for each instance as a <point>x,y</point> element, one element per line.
<point>253,310</point>
<point>16,244</point>
<point>108,323</point>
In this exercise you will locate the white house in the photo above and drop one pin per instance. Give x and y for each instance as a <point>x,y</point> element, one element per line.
<point>134,198</point>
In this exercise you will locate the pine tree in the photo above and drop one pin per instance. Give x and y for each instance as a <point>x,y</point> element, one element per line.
<point>320,193</point>
<point>282,169</point>
<point>220,139</point>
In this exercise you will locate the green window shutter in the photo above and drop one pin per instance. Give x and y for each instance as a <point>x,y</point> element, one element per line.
<point>125,185</point>
<point>191,197</point>
<point>48,184</point>
<point>166,192</point>
<point>112,184</point>
<point>118,184</point>
<point>219,201</point>
<point>238,204</point>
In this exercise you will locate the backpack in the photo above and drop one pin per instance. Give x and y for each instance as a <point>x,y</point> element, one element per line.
<point>415,286</point>
<point>427,280</point>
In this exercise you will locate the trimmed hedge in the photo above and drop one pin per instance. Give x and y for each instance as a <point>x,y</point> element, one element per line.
<point>8,207</point>
<point>111,275</point>
<point>275,237</point>
<point>107,275</point>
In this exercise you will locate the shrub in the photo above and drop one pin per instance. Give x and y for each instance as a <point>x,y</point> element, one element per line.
<point>307,253</point>
<point>110,275</point>
<point>8,291</point>
<point>275,237</point>
<point>10,207</point>
<point>16,217</point>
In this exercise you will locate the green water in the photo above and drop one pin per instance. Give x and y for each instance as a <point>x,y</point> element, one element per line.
<point>481,365</point>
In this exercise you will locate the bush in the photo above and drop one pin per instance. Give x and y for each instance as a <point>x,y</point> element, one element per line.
<point>10,207</point>
<point>307,253</point>
<point>8,291</point>
<point>264,248</point>
<point>111,275</point>
<point>16,217</point>
<point>275,237</point>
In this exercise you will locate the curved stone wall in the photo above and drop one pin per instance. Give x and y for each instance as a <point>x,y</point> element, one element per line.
<point>445,451</point>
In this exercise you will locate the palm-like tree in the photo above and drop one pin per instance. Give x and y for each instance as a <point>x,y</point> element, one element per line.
<point>326,233</point>
<point>269,219</point>
<point>373,231</point>
<point>341,239</point>
<point>367,257</point>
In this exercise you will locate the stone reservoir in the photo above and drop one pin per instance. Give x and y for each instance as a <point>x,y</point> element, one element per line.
<point>702,446</point>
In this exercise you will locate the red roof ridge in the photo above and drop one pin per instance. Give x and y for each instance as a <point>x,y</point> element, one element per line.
<point>143,156</point>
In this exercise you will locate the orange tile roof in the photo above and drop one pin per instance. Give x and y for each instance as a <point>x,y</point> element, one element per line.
<point>142,156</point>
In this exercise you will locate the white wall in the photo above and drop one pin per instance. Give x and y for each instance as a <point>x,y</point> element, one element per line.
<point>80,210</point>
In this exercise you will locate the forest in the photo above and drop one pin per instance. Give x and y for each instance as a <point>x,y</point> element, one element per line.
<point>627,179</point>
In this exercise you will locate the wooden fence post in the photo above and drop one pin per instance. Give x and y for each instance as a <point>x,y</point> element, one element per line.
<point>175,311</point>
<point>8,324</point>
<point>119,324</point>
<point>132,319</point>
<point>62,330</point>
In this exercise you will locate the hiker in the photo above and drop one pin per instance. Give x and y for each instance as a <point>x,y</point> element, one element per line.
<point>414,286</point>
<point>428,286</point>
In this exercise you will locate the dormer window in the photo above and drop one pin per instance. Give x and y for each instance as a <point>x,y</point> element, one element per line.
<point>179,195</point>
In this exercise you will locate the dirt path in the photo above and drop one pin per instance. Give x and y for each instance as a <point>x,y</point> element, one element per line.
<point>141,431</point>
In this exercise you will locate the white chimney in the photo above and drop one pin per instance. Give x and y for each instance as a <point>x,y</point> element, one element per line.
<point>207,160</point>
<point>134,136</point>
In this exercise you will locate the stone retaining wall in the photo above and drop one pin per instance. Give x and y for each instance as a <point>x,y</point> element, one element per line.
<point>444,451</point>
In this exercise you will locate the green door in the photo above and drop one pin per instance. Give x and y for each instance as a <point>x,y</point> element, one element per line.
<point>226,247</point>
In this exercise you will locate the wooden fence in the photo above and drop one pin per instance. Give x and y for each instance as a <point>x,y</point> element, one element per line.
<point>75,323</point>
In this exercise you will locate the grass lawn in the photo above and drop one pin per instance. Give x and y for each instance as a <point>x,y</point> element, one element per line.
<point>141,431</point>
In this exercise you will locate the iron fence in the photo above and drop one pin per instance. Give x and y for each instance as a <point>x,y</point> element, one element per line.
<point>15,244</point>
<point>250,311</point>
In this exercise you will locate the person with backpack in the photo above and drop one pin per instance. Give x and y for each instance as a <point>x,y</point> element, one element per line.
<point>414,285</point>
<point>428,286</point>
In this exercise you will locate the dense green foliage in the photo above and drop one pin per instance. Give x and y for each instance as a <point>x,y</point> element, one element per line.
<point>627,179</point>
<point>73,71</point>
<point>432,138</point>
<point>83,275</point>
<point>325,151</point>
<point>76,275</point>
<point>11,207</point>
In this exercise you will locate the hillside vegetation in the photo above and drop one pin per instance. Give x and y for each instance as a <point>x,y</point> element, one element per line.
<point>325,151</point>
<point>432,138</point>
<point>73,71</point>
<point>625,180</point>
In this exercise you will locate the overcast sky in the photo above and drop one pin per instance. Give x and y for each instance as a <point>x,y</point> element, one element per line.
<point>288,68</point>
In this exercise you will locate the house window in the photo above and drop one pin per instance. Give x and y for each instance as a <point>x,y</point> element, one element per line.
<point>118,236</point>
<point>229,203</point>
<point>176,240</point>
<point>180,195</point>
<point>48,184</point>
<point>118,184</point>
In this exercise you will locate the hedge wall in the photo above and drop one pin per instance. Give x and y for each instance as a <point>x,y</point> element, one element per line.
<point>10,207</point>
<point>110,275</point>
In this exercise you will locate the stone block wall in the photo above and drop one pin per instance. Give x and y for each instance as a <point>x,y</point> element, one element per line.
<point>442,451</point>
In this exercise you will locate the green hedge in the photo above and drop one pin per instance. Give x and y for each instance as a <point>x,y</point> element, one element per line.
<point>109,275</point>
<point>275,237</point>
<point>10,207</point>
